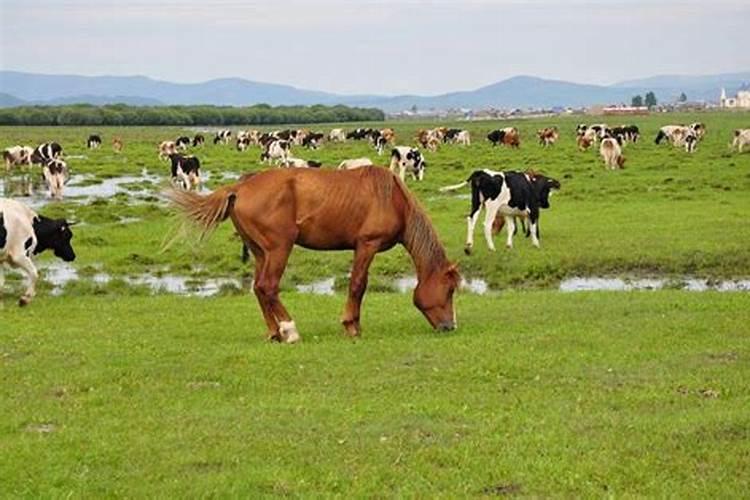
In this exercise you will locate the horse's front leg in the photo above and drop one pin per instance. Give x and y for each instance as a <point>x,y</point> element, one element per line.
<point>363,255</point>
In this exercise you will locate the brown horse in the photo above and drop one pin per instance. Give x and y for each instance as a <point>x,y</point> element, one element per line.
<point>367,210</point>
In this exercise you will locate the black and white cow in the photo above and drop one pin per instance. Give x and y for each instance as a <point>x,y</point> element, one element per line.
<point>408,159</point>
<point>312,140</point>
<point>23,234</point>
<point>55,174</point>
<point>182,142</point>
<point>46,152</point>
<point>186,171</point>
<point>223,136</point>
<point>277,150</point>
<point>509,194</point>
<point>198,140</point>
<point>17,155</point>
<point>94,141</point>
<point>300,163</point>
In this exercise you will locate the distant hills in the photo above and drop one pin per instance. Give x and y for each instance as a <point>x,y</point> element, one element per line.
<point>18,88</point>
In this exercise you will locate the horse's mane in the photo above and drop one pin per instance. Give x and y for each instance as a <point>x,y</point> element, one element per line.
<point>420,237</point>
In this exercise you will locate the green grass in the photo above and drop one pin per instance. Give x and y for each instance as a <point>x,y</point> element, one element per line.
<point>537,393</point>
<point>667,213</point>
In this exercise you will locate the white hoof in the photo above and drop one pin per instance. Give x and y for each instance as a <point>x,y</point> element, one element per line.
<point>288,332</point>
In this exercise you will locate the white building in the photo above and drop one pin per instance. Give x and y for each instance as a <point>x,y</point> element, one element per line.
<point>742,100</point>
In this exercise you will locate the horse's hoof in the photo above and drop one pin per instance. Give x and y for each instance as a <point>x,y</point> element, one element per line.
<point>288,332</point>
<point>274,337</point>
<point>352,330</point>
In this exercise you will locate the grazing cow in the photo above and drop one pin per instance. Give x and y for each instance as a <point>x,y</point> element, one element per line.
<point>355,163</point>
<point>46,152</point>
<point>359,133</point>
<point>312,140</point>
<point>410,160</point>
<point>23,234</point>
<point>17,155</point>
<point>337,135</point>
<point>117,145</point>
<point>699,129</point>
<point>243,143</point>
<point>167,149</point>
<point>548,136</point>
<point>583,142</point>
<point>223,136</point>
<point>611,152</point>
<point>678,135</point>
<point>278,151</point>
<point>509,194</point>
<point>389,135</point>
<point>741,139</point>
<point>55,174</point>
<point>632,133</point>
<point>182,143</point>
<point>186,171</point>
<point>508,136</point>
<point>300,163</point>
<point>581,129</point>
<point>199,140</point>
<point>431,139</point>
<point>94,141</point>
<point>463,138</point>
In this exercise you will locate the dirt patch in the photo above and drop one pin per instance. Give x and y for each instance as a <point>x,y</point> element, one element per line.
<point>41,428</point>
<point>502,489</point>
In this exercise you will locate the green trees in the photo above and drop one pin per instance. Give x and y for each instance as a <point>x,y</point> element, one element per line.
<point>123,115</point>
<point>650,100</point>
<point>637,101</point>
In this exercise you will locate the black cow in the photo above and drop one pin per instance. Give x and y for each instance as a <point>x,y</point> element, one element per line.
<point>312,140</point>
<point>496,137</point>
<point>509,194</point>
<point>94,141</point>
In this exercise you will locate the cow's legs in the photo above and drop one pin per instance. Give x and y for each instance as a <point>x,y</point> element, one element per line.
<point>363,256</point>
<point>491,208</point>
<point>28,267</point>
<point>471,222</point>
<point>510,227</point>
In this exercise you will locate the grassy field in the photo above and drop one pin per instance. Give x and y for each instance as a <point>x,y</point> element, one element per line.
<point>108,391</point>
<point>538,393</point>
<point>667,213</point>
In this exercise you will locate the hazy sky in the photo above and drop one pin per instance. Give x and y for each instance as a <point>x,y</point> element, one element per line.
<point>376,46</point>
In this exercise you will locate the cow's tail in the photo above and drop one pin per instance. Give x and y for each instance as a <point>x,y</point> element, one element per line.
<point>454,187</point>
<point>661,135</point>
<point>205,211</point>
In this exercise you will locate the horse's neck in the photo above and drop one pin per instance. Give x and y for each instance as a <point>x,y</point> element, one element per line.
<point>425,249</point>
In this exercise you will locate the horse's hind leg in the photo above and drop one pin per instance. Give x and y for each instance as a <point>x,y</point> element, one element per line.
<point>265,307</point>
<point>270,278</point>
<point>363,256</point>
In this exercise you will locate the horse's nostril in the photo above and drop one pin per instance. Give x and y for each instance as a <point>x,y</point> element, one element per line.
<point>446,326</point>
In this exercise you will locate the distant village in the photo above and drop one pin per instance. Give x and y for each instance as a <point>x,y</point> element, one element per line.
<point>638,106</point>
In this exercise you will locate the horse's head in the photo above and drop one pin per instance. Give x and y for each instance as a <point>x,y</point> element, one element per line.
<point>434,297</point>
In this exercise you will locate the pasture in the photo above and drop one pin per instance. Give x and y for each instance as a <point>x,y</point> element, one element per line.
<point>110,388</point>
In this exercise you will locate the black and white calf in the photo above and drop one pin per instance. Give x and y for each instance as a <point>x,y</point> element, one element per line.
<point>46,152</point>
<point>24,234</point>
<point>94,141</point>
<point>182,143</point>
<point>223,136</point>
<point>55,174</point>
<point>408,159</point>
<point>312,140</point>
<point>509,194</point>
<point>198,140</point>
<point>186,171</point>
<point>277,151</point>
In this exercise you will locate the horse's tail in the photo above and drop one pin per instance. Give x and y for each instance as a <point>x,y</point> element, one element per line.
<point>206,211</point>
<point>454,187</point>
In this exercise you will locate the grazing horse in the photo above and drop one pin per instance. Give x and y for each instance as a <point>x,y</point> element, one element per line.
<point>367,210</point>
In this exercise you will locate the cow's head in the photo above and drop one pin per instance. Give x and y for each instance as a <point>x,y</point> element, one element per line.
<point>542,186</point>
<point>55,235</point>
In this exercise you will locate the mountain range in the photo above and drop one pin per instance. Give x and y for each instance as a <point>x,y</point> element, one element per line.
<point>19,88</point>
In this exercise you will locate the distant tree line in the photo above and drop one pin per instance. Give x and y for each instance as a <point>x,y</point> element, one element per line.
<point>649,101</point>
<point>124,115</point>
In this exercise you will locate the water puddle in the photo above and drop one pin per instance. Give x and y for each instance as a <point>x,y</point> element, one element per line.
<point>406,284</point>
<point>322,287</point>
<point>579,284</point>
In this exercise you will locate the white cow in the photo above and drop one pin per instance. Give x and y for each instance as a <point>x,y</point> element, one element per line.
<point>741,139</point>
<point>17,155</point>
<point>337,135</point>
<point>611,153</point>
<point>23,234</point>
<point>55,174</point>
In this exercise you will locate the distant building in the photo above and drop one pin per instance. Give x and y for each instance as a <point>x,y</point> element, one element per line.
<point>625,110</point>
<point>742,100</point>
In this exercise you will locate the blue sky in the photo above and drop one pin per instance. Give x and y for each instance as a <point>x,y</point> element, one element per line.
<point>381,46</point>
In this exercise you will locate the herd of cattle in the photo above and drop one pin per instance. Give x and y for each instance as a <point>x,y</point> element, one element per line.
<point>508,197</point>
